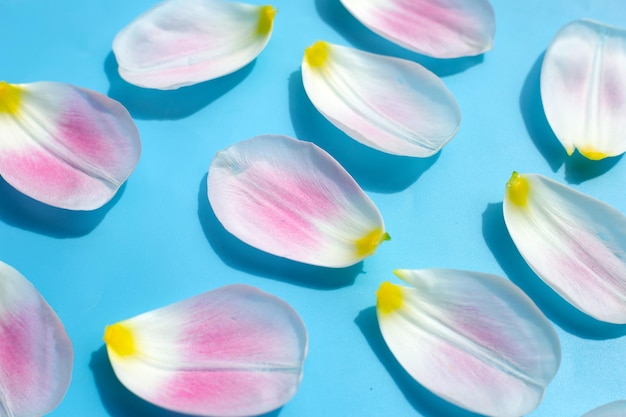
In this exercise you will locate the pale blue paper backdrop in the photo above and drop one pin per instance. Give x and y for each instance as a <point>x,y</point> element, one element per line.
<point>158,242</point>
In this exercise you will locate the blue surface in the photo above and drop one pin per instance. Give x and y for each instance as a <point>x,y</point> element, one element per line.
<point>158,241</point>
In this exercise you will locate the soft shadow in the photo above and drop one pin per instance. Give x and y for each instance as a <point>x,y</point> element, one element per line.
<point>339,18</point>
<point>535,119</point>
<point>19,210</point>
<point>577,168</point>
<point>120,402</point>
<point>373,170</point>
<point>553,305</point>
<point>146,103</point>
<point>239,255</point>
<point>424,401</point>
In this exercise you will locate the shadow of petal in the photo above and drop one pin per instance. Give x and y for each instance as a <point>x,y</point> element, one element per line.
<point>19,210</point>
<point>579,169</point>
<point>359,36</point>
<point>150,104</point>
<point>243,257</point>
<point>535,119</point>
<point>424,401</point>
<point>552,304</point>
<point>373,170</point>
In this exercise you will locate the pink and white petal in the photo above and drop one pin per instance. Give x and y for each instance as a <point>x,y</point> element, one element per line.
<point>583,88</point>
<point>65,146</point>
<point>474,339</point>
<point>184,42</point>
<point>390,104</point>
<point>437,28</point>
<point>234,351</point>
<point>574,243</point>
<point>36,355</point>
<point>614,409</point>
<point>292,199</point>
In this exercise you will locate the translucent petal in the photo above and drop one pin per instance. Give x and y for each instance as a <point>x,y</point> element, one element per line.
<point>390,104</point>
<point>583,88</point>
<point>36,354</point>
<point>292,199</point>
<point>437,28</point>
<point>184,42</point>
<point>574,243</point>
<point>474,339</point>
<point>614,409</point>
<point>234,351</point>
<point>65,146</point>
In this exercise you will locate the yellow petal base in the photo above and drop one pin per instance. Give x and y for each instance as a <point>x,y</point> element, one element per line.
<point>316,55</point>
<point>388,298</point>
<point>10,97</point>
<point>120,339</point>
<point>266,20</point>
<point>367,245</point>
<point>593,155</point>
<point>517,190</point>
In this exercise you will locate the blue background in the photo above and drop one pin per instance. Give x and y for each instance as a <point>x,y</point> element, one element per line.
<point>158,241</point>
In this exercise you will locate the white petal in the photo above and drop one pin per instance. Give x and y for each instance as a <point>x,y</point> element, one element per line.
<point>233,351</point>
<point>574,243</point>
<point>583,88</point>
<point>292,199</point>
<point>390,104</point>
<point>65,146</point>
<point>36,354</point>
<point>474,339</point>
<point>614,409</point>
<point>184,42</point>
<point>438,28</point>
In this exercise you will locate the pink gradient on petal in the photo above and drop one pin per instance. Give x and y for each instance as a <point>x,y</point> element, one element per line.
<point>466,379</point>
<point>99,132</point>
<point>438,28</point>
<point>228,392</point>
<point>45,178</point>
<point>286,205</point>
<point>35,359</point>
<point>17,351</point>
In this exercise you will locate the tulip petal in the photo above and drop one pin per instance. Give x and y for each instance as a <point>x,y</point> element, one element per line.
<point>574,243</point>
<point>474,339</point>
<point>184,42</point>
<point>233,351</point>
<point>390,104</point>
<point>292,199</point>
<point>437,28</point>
<point>584,90</point>
<point>614,409</point>
<point>65,146</point>
<point>36,354</point>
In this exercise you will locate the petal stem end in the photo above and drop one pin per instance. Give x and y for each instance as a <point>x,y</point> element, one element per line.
<point>120,339</point>
<point>388,297</point>
<point>316,55</point>
<point>517,189</point>
<point>10,97</point>
<point>266,20</point>
<point>367,245</point>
